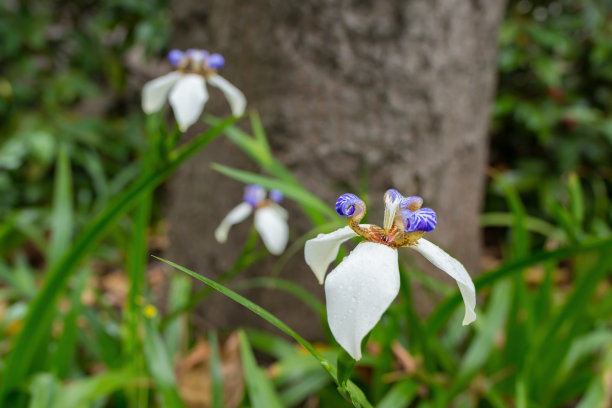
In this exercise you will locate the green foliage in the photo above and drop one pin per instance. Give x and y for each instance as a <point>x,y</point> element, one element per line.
<point>552,113</point>
<point>64,86</point>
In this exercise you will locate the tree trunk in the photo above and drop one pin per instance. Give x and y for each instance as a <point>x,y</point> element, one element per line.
<point>397,93</point>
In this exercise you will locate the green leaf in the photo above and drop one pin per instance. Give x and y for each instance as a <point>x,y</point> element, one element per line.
<point>345,366</point>
<point>67,344</point>
<point>355,394</point>
<point>216,374</point>
<point>275,346</point>
<point>44,389</point>
<point>532,224</point>
<point>488,329</point>
<point>176,328</point>
<point>400,395</point>
<point>576,198</point>
<point>48,392</point>
<point>62,222</point>
<point>160,367</point>
<point>308,385</point>
<point>260,389</point>
<point>286,286</point>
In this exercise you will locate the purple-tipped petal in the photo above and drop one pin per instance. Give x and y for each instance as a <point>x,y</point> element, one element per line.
<point>424,219</point>
<point>347,204</point>
<point>197,55</point>
<point>276,196</point>
<point>176,57</point>
<point>392,195</point>
<point>411,203</point>
<point>253,194</point>
<point>215,61</point>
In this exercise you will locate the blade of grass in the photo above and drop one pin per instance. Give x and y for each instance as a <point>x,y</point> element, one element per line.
<point>275,346</point>
<point>520,327</point>
<point>247,257</point>
<point>489,325</point>
<point>423,343</point>
<point>137,257</point>
<point>354,393</point>
<point>62,222</point>
<point>310,384</point>
<point>176,329</point>
<point>160,367</point>
<point>216,375</point>
<point>44,390</point>
<point>258,130</point>
<point>576,202</point>
<point>261,391</point>
<point>400,395</point>
<point>532,224</point>
<point>285,286</point>
<point>41,311</point>
<point>67,344</point>
<point>85,392</point>
<point>494,320</point>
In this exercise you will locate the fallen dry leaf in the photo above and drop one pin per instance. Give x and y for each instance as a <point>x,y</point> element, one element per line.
<point>194,380</point>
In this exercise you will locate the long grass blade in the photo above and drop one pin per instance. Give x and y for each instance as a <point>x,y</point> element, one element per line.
<point>62,222</point>
<point>260,389</point>
<point>160,367</point>
<point>216,375</point>
<point>353,392</point>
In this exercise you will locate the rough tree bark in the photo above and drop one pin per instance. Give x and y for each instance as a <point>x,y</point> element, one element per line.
<point>395,91</point>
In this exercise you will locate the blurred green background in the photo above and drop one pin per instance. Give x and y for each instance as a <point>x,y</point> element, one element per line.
<point>72,135</point>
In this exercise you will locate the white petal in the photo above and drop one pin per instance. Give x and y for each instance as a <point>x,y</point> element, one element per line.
<point>359,291</point>
<point>319,252</point>
<point>187,99</point>
<point>453,267</point>
<point>234,96</point>
<point>154,92</point>
<point>236,215</point>
<point>271,223</point>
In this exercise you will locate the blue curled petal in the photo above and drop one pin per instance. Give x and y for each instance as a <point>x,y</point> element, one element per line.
<point>176,57</point>
<point>424,219</point>
<point>347,204</point>
<point>215,61</point>
<point>276,196</point>
<point>392,194</point>
<point>253,194</point>
<point>411,203</point>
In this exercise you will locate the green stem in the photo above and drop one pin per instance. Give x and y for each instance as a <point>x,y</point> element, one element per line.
<point>136,262</point>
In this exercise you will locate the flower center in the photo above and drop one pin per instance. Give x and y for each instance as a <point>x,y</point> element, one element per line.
<point>393,238</point>
<point>199,62</point>
<point>404,221</point>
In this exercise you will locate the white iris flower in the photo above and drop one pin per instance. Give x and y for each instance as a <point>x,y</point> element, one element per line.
<point>185,87</point>
<point>363,285</point>
<point>270,218</point>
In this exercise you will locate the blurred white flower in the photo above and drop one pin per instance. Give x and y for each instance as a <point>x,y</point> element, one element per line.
<point>185,87</point>
<point>270,218</point>
<point>363,285</point>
